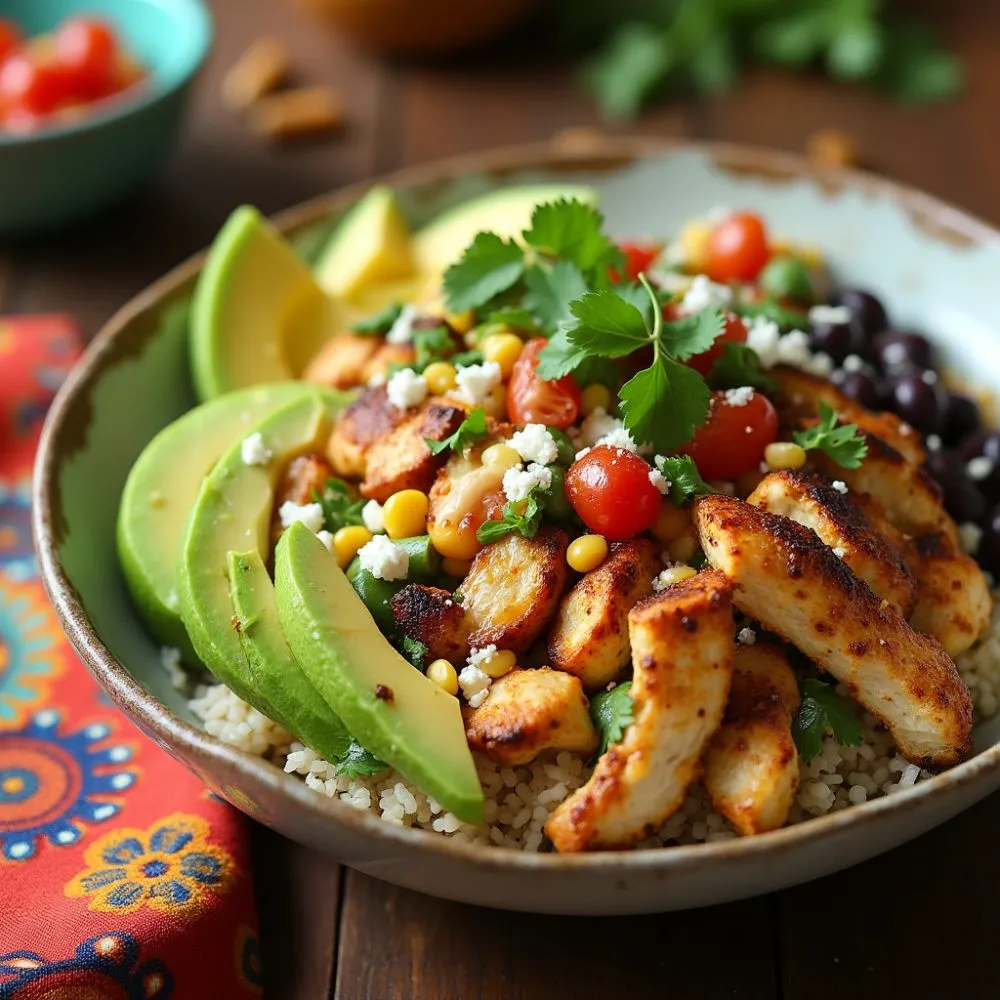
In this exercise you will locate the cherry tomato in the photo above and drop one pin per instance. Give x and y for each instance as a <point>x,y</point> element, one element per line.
<point>638,257</point>
<point>10,38</point>
<point>737,248</point>
<point>533,401</point>
<point>609,488</point>
<point>735,332</point>
<point>28,84</point>
<point>86,49</point>
<point>734,439</point>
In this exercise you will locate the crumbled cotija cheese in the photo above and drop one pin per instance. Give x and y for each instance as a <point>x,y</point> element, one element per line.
<point>535,444</point>
<point>371,515</point>
<point>326,538</point>
<point>660,481</point>
<point>933,442</point>
<point>979,468</point>
<point>401,332</point>
<point>830,314</point>
<point>763,336</point>
<point>475,684</point>
<point>598,425</point>
<point>406,388</point>
<point>620,438</point>
<point>479,657</point>
<point>740,396</point>
<point>476,382</point>
<point>309,514</point>
<point>840,486</point>
<point>703,294</point>
<point>383,559</point>
<point>253,451</point>
<point>853,363</point>
<point>746,637</point>
<point>519,482</point>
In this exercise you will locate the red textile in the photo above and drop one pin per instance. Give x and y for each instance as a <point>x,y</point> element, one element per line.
<point>121,877</point>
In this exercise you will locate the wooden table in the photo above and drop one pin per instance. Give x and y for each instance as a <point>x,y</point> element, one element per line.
<point>916,923</point>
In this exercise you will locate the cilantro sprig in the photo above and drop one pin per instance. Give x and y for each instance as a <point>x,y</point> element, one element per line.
<point>842,443</point>
<point>415,651</point>
<point>823,711</point>
<point>523,517</point>
<point>612,712</point>
<point>685,479</point>
<point>357,762</point>
<point>381,322</point>
<point>470,430</point>
<point>340,507</point>
<point>739,365</point>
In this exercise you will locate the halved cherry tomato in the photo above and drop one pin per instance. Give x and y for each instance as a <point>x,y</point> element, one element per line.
<point>85,51</point>
<point>28,84</point>
<point>533,401</point>
<point>737,248</point>
<point>638,257</point>
<point>10,38</point>
<point>734,439</point>
<point>735,332</point>
<point>610,490</point>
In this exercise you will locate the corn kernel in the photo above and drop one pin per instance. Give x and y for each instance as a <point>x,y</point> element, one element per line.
<point>458,568</point>
<point>780,247</point>
<point>453,541</point>
<point>594,396</point>
<point>504,349</point>
<point>784,455</point>
<point>674,574</point>
<point>684,548</point>
<point>461,322</point>
<point>694,239</point>
<point>347,541</point>
<point>586,553</point>
<point>405,514</point>
<point>501,662</point>
<point>501,455</point>
<point>812,257</point>
<point>440,377</point>
<point>443,674</point>
<point>670,523</point>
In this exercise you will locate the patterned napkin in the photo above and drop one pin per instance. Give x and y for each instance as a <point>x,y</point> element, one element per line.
<point>121,877</point>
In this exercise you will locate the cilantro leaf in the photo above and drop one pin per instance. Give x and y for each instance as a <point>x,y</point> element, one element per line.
<point>488,267</point>
<point>340,506</point>
<point>739,365</point>
<point>431,344</point>
<point>470,430</point>
<point>550,292</point>
<point>519,319</point>
<point>612,712</point>
<point>821,711</point>
<point>559,357</point>
<point>382,322</point>
<point>594,369</point>
<point>607,325</point>
<point>573,232</point>
<point>664,405</point>
<point>691,335</point>
<point>841,443</point>
<point>685,479</point>
<point>415,651</point>
<point>522,516</point>
<point>466,358</point>
<point>357,762</point>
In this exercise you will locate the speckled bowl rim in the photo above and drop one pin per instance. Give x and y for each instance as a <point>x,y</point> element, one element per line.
<point>197,749</point>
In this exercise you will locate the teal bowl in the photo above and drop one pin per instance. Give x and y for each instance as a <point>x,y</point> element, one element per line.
<point>70,172</point>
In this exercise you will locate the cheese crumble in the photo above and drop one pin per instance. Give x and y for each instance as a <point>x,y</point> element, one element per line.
<point>740,396</point>
<point>597,425</point>
<point>372,517</point>
<point>980,468</point>
<point>746,637</point>
<point>384,560</point>
<point>326,538</point>
<point>253,451</point>
<point>535,444</point>
<point>518,482</point>
<point>401,332</point>
<point>835,315</point>
<point>840,486</point>
<point>406,388</point>
<point>703,294</point>
<point>476,382</point>
<point>309,514</point>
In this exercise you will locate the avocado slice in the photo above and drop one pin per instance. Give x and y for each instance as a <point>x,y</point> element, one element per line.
<point>258,314</point>
<point>274,670</point>
<point>160,492</point>
<point>390,707</point>
<point>506,212</point>
<point>369,247</point>
<point>232,513</point>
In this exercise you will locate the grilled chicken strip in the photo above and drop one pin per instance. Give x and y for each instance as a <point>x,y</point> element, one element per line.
<point>792,583</point>
<point>752,765</point>
<point>813,501</point>
<point>682,654</point>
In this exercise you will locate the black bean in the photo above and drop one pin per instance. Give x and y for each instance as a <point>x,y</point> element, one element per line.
<point>918,401</point>
<point>833,339</point>
<point>963,499</point>
<point>866,309</point>
<point>860,387</point>
<point>982,442</point>
<point>900,350</point>
<point>989,547</point>
<point>961,418</point>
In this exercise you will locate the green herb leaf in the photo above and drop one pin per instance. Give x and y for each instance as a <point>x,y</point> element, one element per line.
<point>770,309</point>
<point>487,268</point>
<point>466,358</point>
<point>573,232</point>
<point>739,365</point>
<point>842,443</point>
<point>522,516</point>
<point>340,506</point>
<point>358,762</point>
<point>550,292</point>
<point>823,711</point>
<point>612,712</point>
<point>513,316</point>
<point>691,335</point>
<point>631,67</point>
<point>607,325</point>
<point>916,69</point>
<point>559,357</point>
<point>415,651</point>
<point>382,322</point>
<point>664,405</point>
<point>856,49</point>
<point>795,40</point>
<point>432,344</point>
<point>685,479</point>
<point>470,430</point>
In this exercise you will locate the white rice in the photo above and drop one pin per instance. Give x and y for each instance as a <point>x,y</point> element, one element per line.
<point>519,800</point>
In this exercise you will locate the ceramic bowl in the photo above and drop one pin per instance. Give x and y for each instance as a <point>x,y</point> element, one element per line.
<point>935,266</point>
<point>60,175</point>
